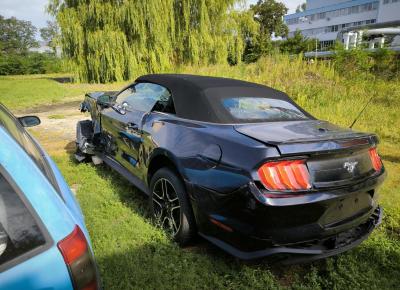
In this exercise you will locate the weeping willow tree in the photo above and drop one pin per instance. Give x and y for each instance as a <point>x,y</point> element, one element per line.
<point>114,40</point>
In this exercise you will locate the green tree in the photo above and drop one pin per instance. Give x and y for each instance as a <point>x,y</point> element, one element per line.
<point>300,8</point>
<point>114,40</point>
<point>297,44</point>
<point>269,16</point>
<point>269,13</point>
<point>16,36</point>
<point>51,34</point>
<point>248,31</point>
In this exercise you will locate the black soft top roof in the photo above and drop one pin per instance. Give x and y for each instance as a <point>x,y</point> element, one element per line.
<point>199,97</point>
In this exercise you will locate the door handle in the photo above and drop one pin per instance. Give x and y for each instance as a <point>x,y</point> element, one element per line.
<point>132,126</point>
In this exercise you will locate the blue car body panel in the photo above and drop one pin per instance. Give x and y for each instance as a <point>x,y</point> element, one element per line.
<point>59,214</point>
<point>44,271</point>
<point>69,198</point>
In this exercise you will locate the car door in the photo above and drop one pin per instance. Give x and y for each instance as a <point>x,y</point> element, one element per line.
<point>122,123</point>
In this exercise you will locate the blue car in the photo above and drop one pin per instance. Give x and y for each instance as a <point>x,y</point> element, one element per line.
<point>44,243</point>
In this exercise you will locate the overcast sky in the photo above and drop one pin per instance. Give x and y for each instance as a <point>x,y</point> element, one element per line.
<point>34,10</point>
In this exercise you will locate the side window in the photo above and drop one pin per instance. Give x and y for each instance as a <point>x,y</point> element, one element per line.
<point>19,232</point>
<point>28,144</point>
<point>146,97</point>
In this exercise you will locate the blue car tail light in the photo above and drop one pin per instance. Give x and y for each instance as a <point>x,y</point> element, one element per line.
<point>80,262</point>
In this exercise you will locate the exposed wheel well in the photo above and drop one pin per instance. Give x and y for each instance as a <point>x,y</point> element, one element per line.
<point>159,162</point>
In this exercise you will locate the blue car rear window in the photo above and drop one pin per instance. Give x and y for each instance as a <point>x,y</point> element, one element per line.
<point>261,109</point>
<point>19,232</point>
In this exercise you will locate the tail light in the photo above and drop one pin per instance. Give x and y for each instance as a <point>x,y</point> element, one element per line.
<point>289,175</point>
<point>79,260</point>
<point>375,159</point>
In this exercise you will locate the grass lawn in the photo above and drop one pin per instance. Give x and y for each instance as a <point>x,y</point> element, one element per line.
<point>134,254</point>
<point>21,92</point>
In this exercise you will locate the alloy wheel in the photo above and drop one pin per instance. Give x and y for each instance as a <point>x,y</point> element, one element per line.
<point>167,209</point>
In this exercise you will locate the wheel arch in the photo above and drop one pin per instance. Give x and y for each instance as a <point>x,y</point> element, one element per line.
<point>163,158</point>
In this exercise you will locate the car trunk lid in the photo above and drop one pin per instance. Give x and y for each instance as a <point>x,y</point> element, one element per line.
<point>335,156</point>
<point>311,136</point>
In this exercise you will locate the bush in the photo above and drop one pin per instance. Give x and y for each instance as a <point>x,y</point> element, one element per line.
<point>386,64</point>
<point>31,63</point>
<point>382,63</point>
<point>352,61</point>
<point>297,44</point>
<point>10,65</point>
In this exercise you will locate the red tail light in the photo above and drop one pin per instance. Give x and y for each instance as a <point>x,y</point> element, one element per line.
<point>375,159</point>
<point>79,260</point>
<point>286,175</point>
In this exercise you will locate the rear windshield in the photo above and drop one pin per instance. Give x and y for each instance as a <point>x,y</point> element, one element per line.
<point>257,109</point>
<point>19,233</point>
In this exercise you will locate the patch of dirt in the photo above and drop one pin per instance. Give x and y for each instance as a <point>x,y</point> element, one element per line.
<point>51,109</point>
<point>56,135</point>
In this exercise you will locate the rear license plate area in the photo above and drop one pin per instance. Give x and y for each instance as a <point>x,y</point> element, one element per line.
<point>344,208</point>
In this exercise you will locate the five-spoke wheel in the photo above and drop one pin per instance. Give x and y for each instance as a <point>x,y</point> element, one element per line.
<point>170,206</point>
<point>166,205</point>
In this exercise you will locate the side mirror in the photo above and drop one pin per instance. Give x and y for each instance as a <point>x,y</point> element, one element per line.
<point>29,121</point>
<point>104,101</point>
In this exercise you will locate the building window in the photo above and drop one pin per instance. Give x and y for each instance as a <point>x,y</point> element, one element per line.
<point>354,9</point>
<point>292,21</point>
<point>333,28</point>
<point>340,12</point>
<point>386,1</point>
<point>369,6</point>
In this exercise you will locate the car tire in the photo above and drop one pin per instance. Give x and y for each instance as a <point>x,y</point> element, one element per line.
<point>174,195</point>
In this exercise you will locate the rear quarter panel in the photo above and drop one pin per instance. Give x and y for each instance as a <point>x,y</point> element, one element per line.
<point>44,271</point>
<point>208,155</point>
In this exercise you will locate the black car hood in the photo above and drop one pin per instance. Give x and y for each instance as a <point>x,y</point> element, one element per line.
<point>292,137</point>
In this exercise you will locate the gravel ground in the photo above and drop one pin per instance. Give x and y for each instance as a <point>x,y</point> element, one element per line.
<point>56,133</point>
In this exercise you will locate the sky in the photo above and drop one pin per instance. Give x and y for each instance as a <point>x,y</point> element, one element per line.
<point>34,10</point>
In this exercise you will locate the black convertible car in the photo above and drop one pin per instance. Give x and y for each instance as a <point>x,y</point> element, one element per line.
<point>238,163</point>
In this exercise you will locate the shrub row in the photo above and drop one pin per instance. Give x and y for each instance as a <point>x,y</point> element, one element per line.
<point>382,63</point>
<point>31,63</point>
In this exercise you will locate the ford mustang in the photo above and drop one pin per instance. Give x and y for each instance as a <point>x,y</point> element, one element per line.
<point>238,163</point>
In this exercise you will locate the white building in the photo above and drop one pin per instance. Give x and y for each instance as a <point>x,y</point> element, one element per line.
<point>324,19</point>
<point>45,48</point>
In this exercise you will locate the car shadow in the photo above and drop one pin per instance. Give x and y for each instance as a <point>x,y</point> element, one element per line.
<point>128,194</point>
<point>70,149</point>
<point>161,265</point>
<point>391,158</point>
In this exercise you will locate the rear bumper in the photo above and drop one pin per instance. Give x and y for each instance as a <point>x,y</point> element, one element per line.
<point>319,249</point>
<point>249,226</point>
